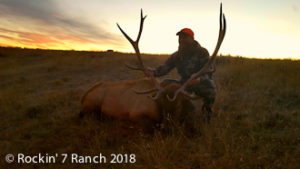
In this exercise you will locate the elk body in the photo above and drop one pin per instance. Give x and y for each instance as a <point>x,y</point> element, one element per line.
<point>118,100</point>
<point>121,99</point>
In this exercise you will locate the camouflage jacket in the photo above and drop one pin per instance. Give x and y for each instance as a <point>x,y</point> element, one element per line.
<point>186,63</point>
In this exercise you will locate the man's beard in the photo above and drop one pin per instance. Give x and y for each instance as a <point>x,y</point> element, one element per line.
<point>184,49</point>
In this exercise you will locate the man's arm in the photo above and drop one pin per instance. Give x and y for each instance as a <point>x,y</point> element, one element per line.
<point>166,67</point>
<point>204,56</point>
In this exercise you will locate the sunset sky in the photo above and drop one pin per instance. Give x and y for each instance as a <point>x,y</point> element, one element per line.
<point>256,28</point>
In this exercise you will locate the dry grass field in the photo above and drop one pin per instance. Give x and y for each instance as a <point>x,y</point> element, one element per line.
<point>256,126</point>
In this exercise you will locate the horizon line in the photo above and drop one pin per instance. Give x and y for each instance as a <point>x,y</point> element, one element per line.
<point>116,51</point>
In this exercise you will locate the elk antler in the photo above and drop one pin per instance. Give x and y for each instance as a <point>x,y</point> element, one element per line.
<point>133,67</point>
<point>209,66</point>
<point>135,45</point>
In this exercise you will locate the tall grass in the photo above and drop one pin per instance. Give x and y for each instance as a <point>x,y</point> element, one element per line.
<point>256,123</point>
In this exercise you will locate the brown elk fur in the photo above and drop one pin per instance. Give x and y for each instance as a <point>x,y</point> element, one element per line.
<point>118,100</point>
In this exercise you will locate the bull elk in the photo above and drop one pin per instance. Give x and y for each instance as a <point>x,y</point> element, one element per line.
<point>128,100</point>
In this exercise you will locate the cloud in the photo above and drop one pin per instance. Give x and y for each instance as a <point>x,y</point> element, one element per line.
<point>30,8</point>
<point>28,37</point>
<point>49,14</point>
<point>39,40</point>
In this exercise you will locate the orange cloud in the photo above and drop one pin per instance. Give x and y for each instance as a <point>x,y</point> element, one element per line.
<point>27,38</point>
<point>47,26</point>
<point>60,40</point>
<point>75,39</point>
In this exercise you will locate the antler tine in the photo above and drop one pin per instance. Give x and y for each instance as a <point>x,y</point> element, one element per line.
<point>207,67</point>
<point>157,95</point>
<point>190,96</point>
<point>127,37</point>
<point>222,32</point>
<point>133,67</point>
<point>141,26</point>
<point>146,91</point>
<point>150,91</point>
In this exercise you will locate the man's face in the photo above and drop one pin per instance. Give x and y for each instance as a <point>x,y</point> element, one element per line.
<point>185,39</point>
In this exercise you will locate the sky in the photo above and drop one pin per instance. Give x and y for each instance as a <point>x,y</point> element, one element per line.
<point>255,28</point>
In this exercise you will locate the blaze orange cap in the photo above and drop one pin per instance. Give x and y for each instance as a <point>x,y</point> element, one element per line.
<point>186,31</point>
